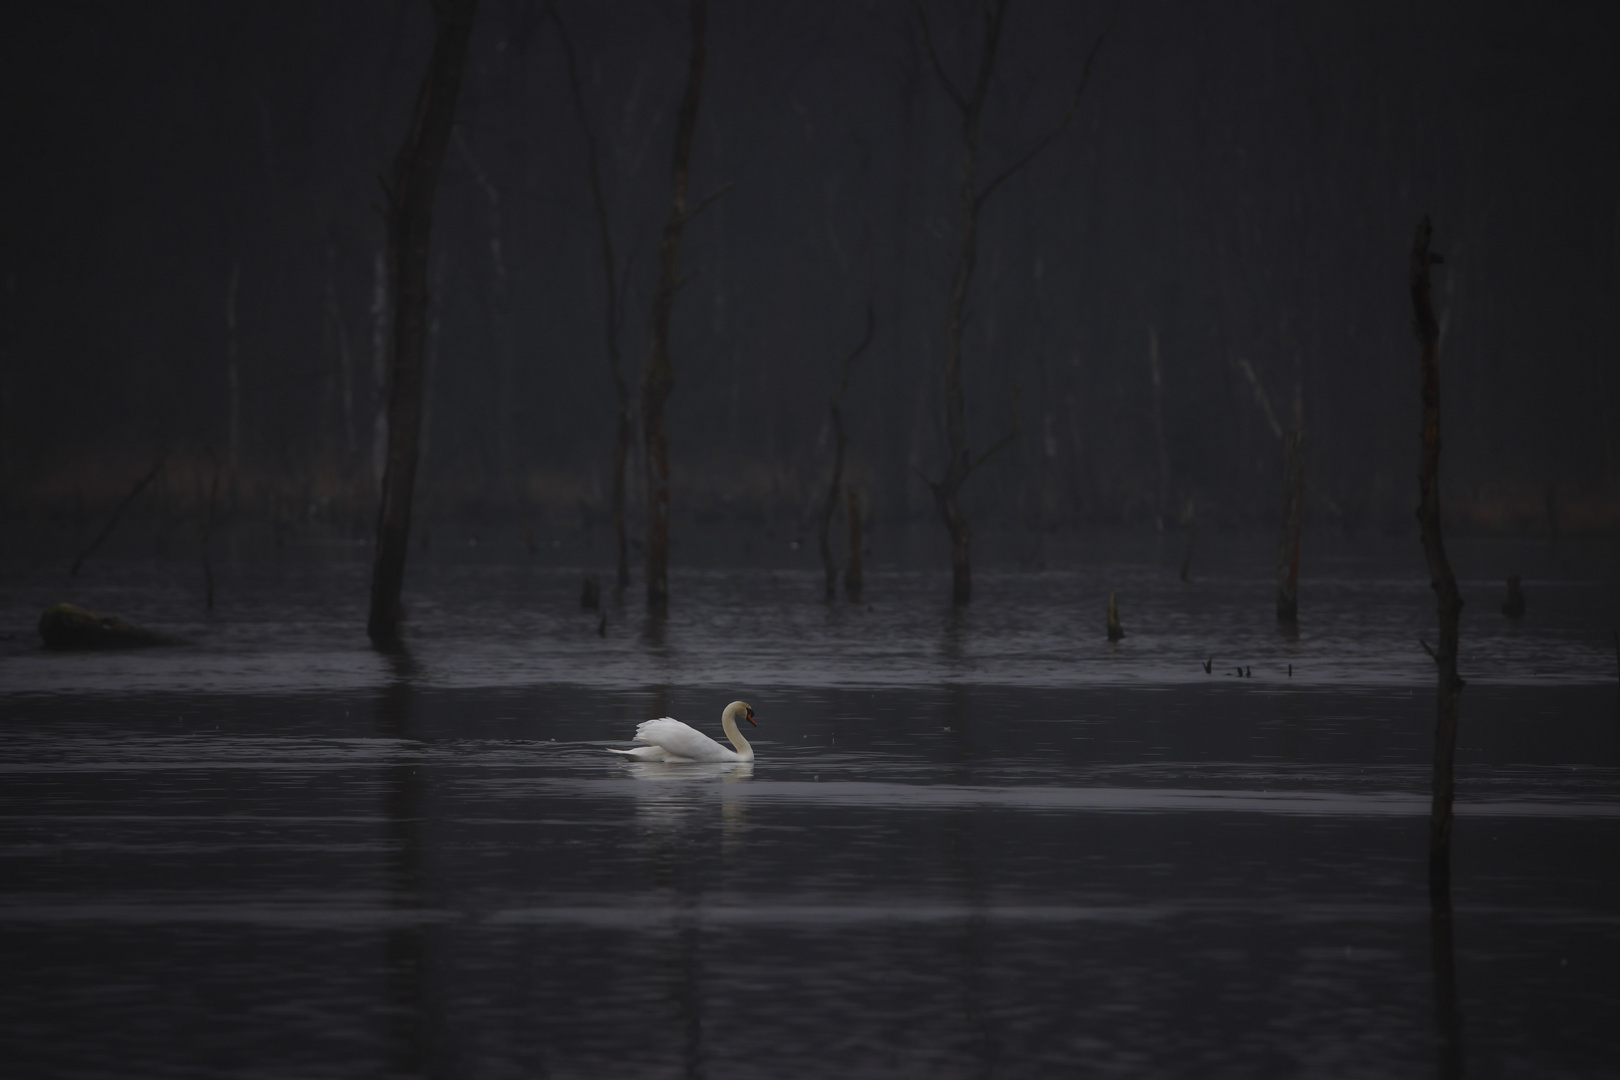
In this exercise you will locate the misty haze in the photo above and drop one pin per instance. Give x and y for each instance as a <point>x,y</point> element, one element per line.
<point>1119,501</point>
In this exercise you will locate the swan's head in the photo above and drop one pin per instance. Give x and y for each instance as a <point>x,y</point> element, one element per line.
<point>742,710</point>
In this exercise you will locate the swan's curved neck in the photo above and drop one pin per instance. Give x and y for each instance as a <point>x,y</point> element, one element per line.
<point>728,720</point>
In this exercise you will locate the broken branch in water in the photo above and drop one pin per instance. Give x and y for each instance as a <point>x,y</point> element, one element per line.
<point>118,512</point>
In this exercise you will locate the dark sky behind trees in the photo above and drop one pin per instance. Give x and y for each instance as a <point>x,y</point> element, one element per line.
<point>1241,183</point>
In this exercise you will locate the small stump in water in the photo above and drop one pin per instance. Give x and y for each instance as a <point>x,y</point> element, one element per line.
<point>1513,599</point>
<point>65,626</point>
<point>590,593</point>
<point>1115,631</point>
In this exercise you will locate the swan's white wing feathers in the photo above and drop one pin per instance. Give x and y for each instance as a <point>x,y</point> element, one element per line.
<point>682,740</point>
<point>647,753</point>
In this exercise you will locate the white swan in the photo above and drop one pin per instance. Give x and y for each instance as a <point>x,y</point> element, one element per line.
<point>672,740</point>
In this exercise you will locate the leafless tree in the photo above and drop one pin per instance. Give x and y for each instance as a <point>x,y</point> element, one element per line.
<point>610,300</point>
<point>840,444</point>
<point>1448,602</point>
<point>658,377</point>
<point>410,191</point>
<point>961,462</point>
<point>1293,515</point>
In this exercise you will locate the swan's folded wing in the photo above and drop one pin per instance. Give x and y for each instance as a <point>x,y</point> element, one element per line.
<point>643,753</point>
<point>677,738</point>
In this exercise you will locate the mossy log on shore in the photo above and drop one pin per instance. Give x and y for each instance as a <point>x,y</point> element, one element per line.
<point>66,626</point>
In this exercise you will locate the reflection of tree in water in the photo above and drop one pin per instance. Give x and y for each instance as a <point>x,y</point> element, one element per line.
<point>1447,1017</point>
<point>674,805</point>
<point>967,943</point>
<point>407,1009</point>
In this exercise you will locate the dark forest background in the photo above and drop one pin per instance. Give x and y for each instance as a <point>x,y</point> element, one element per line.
<point>1239,188</point>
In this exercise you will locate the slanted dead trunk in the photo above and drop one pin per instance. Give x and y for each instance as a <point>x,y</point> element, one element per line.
<point>1448,600</point>
<point>410,192</point>
<point>118,511</point>
<point>233,375</point>
<point>960,460</point>
<point>1293,518</point>
<point>610,303</point>
<point>1157,372</point>
<point>658,377</point>
<point>854,578</point>
<point>840,440</point>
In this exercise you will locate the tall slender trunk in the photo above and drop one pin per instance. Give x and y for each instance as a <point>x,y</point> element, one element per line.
<point>1157,372</point>
<point>960,463</point>
<point>658,378</point>
<point>1448,600</point>
<point>233,375</point>
<point>340,344</point>
<point>410,217</point>
<point>610,304</point>
<point>829,565</point>
<point>840,445</point>
<point>1292,521</point>
<point>854,578</point>
<point>379,370</point>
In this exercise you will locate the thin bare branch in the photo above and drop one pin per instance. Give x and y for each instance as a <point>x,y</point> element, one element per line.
<point>926,41</point>
<point>1074,107</point>
<point>849,360</point>
<point>1005,441</point>
<point>703,204</point>
<point>1261,398</point>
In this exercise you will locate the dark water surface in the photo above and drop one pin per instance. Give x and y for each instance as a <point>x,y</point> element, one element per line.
<point>980,845</point>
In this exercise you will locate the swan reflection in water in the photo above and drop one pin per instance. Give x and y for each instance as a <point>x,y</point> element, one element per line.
<point>673,798</point>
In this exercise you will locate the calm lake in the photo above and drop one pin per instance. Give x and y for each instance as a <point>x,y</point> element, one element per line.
<point>985,843</point>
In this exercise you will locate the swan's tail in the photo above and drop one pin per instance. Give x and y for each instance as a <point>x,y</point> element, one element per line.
<point>641,753</point>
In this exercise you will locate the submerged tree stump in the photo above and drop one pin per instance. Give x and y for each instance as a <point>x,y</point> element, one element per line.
<point>1115,631</point>
<point>854,578</point>
<point>1513,599</point>
<point>66,626</point>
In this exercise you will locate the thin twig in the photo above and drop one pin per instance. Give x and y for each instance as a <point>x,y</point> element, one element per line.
<point>1074,107</point>
<point>703,204</point>
<point>927,42</point>
<point>118,512</point>
<point>1005,440</point>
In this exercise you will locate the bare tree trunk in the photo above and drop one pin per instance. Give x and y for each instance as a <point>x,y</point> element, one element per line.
<point>233,375</point>
<point>1292,520</point>
<point>1157,372</point>
<point>658,378</point>
<point>1448,600</point>
<point>339,339</point>
<point>410,217</point>
<point>208,535</point>
<point>840,442</point>
<point>960,462</point>
<point>379,370</point>
<point>829,565</point>
<point>610,302</point>
<point>854,579</point>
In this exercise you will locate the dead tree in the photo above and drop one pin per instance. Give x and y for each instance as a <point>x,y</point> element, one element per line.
<point>1293,515</point>
<point>961,462</point>
<point>658,377</point>
<point>118,511</point>
<point>1162,510</point>
<point>854,579</point>
<point>233,375</point>
<point>840,443</point>
<point>610,300</point>
<point>1448,600</point>
<point>410,191</point>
